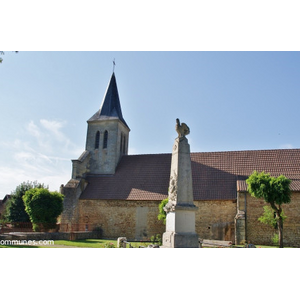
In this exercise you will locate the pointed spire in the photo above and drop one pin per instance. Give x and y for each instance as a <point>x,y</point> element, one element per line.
<point>110,107</point>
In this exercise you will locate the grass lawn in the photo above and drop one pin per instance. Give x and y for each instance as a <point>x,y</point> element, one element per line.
<point>95,243</point>
<point>99,243</point>
<point>89,243</point>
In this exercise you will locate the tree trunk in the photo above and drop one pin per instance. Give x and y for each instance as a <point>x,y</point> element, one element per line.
<point>278,211</point>
<point>280,231</point>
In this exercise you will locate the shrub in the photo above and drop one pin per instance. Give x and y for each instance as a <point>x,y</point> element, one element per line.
<point>156,239</point>
<point>162,214</point>
<point>15,209</point>
<point>275,239</point>
<point>43,208</point>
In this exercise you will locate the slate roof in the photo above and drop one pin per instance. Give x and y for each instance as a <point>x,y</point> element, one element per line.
<point>216,175</point>
<point>110,106</point>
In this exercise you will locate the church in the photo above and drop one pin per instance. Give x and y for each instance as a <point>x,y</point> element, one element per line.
<point>120,193</point>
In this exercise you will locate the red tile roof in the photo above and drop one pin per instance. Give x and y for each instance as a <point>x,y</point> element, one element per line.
<point>137,177</point>
<point>216,175</point>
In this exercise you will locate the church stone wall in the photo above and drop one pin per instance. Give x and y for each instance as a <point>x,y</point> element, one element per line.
<point>261,234</point>
<point>136,220</point>
<point>215,219</point>
<point>81,166</point>
<point>105,160</point>
<point>70,214</point>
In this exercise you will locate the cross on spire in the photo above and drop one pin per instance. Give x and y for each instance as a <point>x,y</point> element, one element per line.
<point>114,64</point>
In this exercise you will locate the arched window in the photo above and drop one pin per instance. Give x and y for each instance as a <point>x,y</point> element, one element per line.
<point>97,139</point>
<point>105,139</point>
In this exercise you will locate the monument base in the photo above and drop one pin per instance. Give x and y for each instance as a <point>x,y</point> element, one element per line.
<point>173,239</point>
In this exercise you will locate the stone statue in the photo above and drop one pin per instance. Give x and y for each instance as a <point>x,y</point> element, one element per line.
<point>182,129</point>
<point>170,206</point>
<point>180,218</point>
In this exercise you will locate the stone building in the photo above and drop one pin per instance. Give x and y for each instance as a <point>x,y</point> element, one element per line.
<point>120,193</point>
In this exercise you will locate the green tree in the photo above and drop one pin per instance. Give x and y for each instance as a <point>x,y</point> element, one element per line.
<point>269,217</point>
<point>162,214</point>
<point>275,191</point>
<point>43,208</point>
<point>15,209</point>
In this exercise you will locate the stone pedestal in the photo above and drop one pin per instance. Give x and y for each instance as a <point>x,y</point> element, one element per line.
<point>180,221</point>
<point>180,228</point>
<point>240,219</point>
<point>240,228</point>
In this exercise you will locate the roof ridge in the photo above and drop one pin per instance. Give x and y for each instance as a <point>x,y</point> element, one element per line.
<point>144,154</point>
<point>225,151</point>
<point>239,151</point>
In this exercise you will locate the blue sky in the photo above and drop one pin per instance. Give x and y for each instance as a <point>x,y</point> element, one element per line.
<point>230,101</point>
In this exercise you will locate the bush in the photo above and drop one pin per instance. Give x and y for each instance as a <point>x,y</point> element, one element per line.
<point>162,214</point>
<point>43,208</point>
<point>156,239</point>
<point>15,209</point>
<point>275,239</point>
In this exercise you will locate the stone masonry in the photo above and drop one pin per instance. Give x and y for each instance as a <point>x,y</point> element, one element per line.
<point>180,209</point>
<point>136,220</point>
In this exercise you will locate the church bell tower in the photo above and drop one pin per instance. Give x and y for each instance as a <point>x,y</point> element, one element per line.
<point>107,137</point>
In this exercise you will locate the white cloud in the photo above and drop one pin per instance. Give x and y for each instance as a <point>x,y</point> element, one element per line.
<point>50,137</point>
<point>52,125</point>
<point>54,128</point>
<point>33,129</point>
<point>287,146</point>
<point>43,153</point>
<point>15,175</point>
